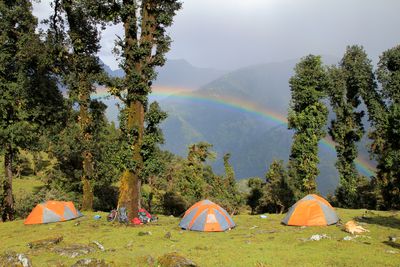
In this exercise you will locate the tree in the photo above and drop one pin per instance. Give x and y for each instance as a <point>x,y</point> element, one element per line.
<point>67,149</point>
<point>229,172</point>
<point>307,117</point>
<point>142,49</point>
<point>232,196</point>
<point>76,39</point>
<point>386,145</point>
<point>29,97</point>
<point>347,82</point>
<point>278,195</point>
<point>256,193</point>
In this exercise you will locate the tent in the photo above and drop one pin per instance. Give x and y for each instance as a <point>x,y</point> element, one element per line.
<point>312,210</point>
<point>53,211</point>
<point>206,216</point>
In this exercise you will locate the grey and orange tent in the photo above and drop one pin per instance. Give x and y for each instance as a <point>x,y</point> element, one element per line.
<point>311,210</point>
<point>206,216</point>
<point>53,211</point>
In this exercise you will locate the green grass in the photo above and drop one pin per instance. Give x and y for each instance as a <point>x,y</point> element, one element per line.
<point>254,242</point>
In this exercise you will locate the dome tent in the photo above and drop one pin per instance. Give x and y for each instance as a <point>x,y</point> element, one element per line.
<point>206,216</point>
<point>53,211</point>
<point>311,210</point>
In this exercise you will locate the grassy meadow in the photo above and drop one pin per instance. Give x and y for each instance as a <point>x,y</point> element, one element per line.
<point>254,242</point>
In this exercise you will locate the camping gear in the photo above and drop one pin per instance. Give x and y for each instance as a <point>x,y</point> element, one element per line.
<point>122,215</point>
<point>112,215</point>
<point>146,217</point>
<point>136,221</point>
<point>206,216</point>
<point>311,210</point>
<point>53,211</point>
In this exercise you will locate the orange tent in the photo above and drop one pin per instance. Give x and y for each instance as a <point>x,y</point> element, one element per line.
<point>312,210</point>
<point>53,211</point>
<point>206,216</point>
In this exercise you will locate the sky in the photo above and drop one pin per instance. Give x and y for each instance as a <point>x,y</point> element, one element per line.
<point>229,34</point>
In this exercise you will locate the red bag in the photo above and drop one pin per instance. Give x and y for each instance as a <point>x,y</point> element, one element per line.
<point>136,221</point>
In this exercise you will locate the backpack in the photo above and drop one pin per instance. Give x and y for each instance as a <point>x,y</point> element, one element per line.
<point>122,215</point>
<point>112,215</point>
<point>143,217</point>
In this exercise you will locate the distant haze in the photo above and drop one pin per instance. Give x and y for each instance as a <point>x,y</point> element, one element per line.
<point>228,34</point>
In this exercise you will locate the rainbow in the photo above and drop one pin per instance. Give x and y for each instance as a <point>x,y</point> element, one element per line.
<point>241,105</point>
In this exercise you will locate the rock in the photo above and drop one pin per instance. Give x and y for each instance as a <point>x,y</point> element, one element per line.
<point>129,245</point>
<point>318,237</point>
<point>392,238</point>
<point>391,251</point>
<point>146,261</point>
<point>144,233</point>
<point>74,250</point>
<point>347,238</point>
<point>45,242</point>
<point>175,260</point>
<point>12,258</point>
<point>150,260</point>
<point>168,235</point>
<point>91,262</point>
<point>100,246</point>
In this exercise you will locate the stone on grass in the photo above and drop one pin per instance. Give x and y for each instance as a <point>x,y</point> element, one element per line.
<point>74,250</point>
<point>175,260</point>
<point>100,246</point>
<point>318,237</point>
<point>92,262</point>
<point>12,258</point>
<point>168,235</point>
<point>144,233</point>
<point>44,243</point>
<point>347,238</point>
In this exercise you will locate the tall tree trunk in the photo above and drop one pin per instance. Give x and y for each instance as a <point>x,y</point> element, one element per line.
<point>130,188</point>
<point>87,187</point>
<point>86,135</point>
<point>8,202</point>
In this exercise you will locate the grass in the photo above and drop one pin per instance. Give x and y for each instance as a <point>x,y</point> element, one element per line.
<point>254,242</point>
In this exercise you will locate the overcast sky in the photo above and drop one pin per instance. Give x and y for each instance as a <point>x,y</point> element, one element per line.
<point>228,34</point>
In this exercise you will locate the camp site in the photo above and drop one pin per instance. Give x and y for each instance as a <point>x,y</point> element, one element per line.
<point>170,133</point>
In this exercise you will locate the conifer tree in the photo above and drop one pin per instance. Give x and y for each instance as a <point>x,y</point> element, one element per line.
<point>29,97</point>
<point>141,50</point>
<point>386,145</point>
<point>307,117</point>
<point>75,36</point>
<point>278,195</point>
<point>256,186</point>
<point>352,77</point>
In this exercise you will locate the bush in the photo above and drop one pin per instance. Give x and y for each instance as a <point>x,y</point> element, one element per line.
<point>174,204</point>
<point>25,205</point>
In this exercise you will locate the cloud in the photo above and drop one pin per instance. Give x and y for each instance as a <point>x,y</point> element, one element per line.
<point>229,34</point>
